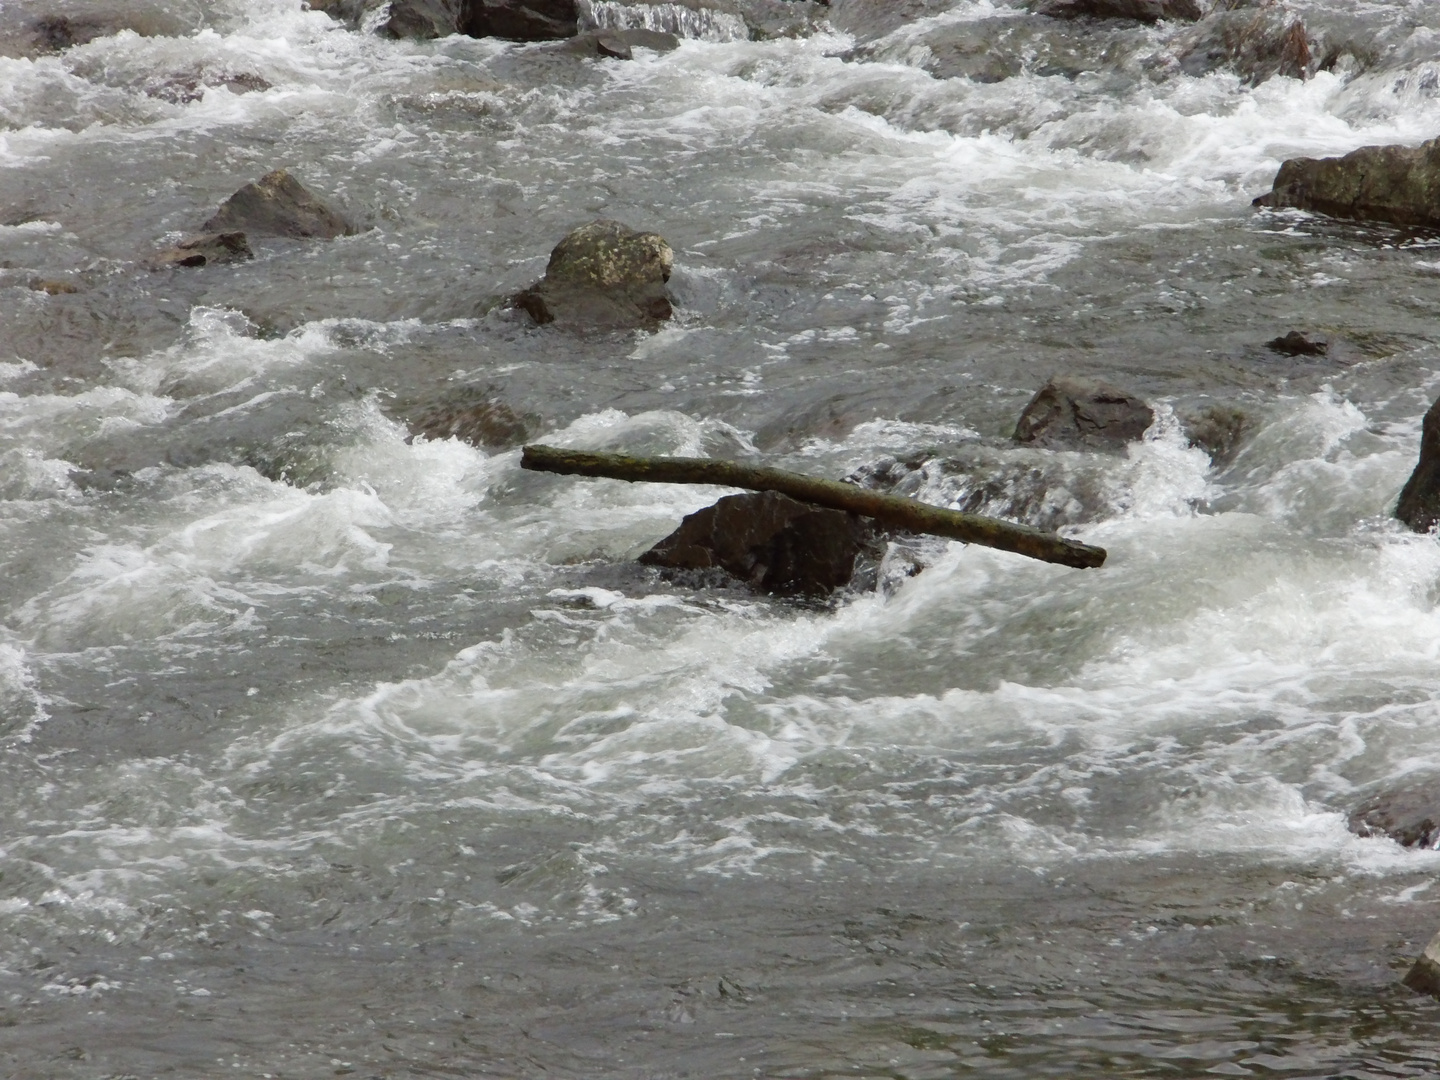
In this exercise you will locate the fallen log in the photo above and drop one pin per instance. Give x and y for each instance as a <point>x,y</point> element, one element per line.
<point>892,510</point>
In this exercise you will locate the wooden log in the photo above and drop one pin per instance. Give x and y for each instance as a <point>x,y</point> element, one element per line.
<point>892,510</point>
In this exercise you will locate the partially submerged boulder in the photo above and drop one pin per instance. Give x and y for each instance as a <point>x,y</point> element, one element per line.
<point>473,416</point>
<point>1146,11</point>
<point>603,275</point>
<point>278,205</point>
<point>1297,344</point>
<point>1256,43</point>
<point>1219,430</point>
<point>1395,184</point>
<point>203,250</point>
<point>521,20</point>
<point>1409,816</point>
<point>770,542</point>
<point>423,19</point>
<point>1419,503</point>
<point>1082,414</point>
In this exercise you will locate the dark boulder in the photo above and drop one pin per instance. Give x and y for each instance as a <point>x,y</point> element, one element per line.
<point>1082,414</point>
<point>1255,43</point>
<point>1146,11</point>
<point>1419,504</point>
<point>603,275</point>
<point>1297,344</point>
<point>204,250</point>
<point>423,19</point>
<point>278,205</point>
<point>771,542</point>
<point>1409,816</point>
<point>474,416</point>
<point>613,46</point>
<point>521,20</point>
<point>1395,184</point>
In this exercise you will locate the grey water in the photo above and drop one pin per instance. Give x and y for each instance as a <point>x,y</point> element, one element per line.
<point>328,750</point>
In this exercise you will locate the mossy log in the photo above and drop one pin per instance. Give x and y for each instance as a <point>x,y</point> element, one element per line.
<point>892,510</point>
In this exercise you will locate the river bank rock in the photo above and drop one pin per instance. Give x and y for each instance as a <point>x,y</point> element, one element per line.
<point>1395,184</point>
<point>203,250</point>
<point>278,205</point>
<point>1082,414</point>
<point>603,275</point>
<point>1145,11</point>
<point>1409,816</point>
<point>771,542</point>
<point>1419,503</point>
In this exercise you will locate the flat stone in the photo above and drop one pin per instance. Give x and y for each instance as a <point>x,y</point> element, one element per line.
<point>278,205</point>
<point>1082,414</point>
<point>613,47</point>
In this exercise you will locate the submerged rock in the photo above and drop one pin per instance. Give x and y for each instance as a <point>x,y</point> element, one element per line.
<point>1256,43</point>
<point>1146,11</point>
<point>203,250</point>
<point>771,542</point>
<point>1419,503</point>
<point>1219,430</point>
<point>1082,414</point>
<point>1395,184</point>
<point>1410,816</point>
<point>603,274</point>
<point>278,205</point>
<point>473,416</point>
<point>1297,344</point>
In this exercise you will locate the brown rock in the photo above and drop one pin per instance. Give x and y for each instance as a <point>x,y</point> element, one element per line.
<point>54,286</point>
<point>204,250</point>
<point>278,205</point>
<point>1409,816</point>
<point>1396,184</point>
<point>1419,503</point>
<point>603,275</point>
<point>1082,414</point>
<point>770,542</point>
<point>472,416</point>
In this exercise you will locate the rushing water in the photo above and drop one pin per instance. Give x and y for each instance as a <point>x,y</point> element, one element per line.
<point>324,750</point>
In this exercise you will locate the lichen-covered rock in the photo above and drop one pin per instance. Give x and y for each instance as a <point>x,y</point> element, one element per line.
<point>1146,11</point>
<point>603,274</point>
<point>521,20</point>
<point>204,250</point>
<point>1395,184</point>
<point>278,205</point>
<point>1419,503</point>
<point>770,542</point>
<point>1082,414</point>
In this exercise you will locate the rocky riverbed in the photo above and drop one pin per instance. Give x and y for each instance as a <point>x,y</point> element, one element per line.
<point>333,743</point>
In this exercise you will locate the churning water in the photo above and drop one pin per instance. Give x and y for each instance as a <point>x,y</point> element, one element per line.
<point>329,751</point>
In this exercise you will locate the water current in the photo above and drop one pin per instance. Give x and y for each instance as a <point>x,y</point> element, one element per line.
<point>326,750</point>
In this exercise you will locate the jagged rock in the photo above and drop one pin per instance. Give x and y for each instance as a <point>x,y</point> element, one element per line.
<point>603,274</point>
<point>278,205</point>
<point>1146,11</point>
<point>1410,816</point>
<point>521,20</point>
<point>1396,184</point>
<point>472,416</point>
<point>423,19</point>
<point>204,250</point>
<point>1419,503</point>
<point>1256,43</point>
<point>1297,344</point>
<point>1082,414</point>
<point>1219,430</point>
<point>771,542</point>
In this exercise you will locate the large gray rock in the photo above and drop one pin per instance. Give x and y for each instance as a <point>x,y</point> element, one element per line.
<point>1146,11</point>
<point>603,275</point>
<point>278,205</point>
<point>770,542</point>
<point>1419,503</point>
<point>1082,414</point>
<point>1396,184</point>
<point>423,19</point>
<point>521,20</point>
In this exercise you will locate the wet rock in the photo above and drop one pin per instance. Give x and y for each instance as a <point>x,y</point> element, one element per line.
<point>1146,11</point>
<point>188,86</point>
<point>1297,344</point>
<point>1256,43</point>
<point>1419,503</point>
<point>423,19</point>
<point>53,286</point>
<point>1219,430</point>
<point>614,47</point>
<point>1395,184</point>
<point>53,33</point>
<point>603,274</point>
<point>1409,816</point>
<point>472,416</point>
<point>278,205</point>
<point>521,20</point>
<point>350,12</point>
<point>204,250</point>
<point>619,44</point>
<point>1082,414</point>
<point>770,542</point>
<point>1424,975</point>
